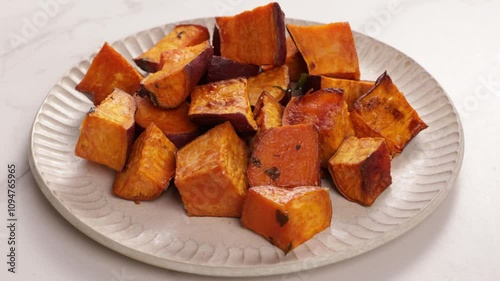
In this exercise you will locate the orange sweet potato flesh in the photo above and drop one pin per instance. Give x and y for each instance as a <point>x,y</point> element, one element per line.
<point>287,217</point>
<point>385,112</point>
<point>353,89</point>
<point>109,70</point>
<point>286,156</point>
<point>268,112</point>
<point>294,60</point>
<point>174,123</point>
<point>327,110</point>
<point>274,81</point>
<point>107,132</point>
<point>328,49</point>
<point>183,35</point>
<point>182,70</point>
<point>149,169</point>
<point>254,37</point>
<point>210,173</point>
<point>222,101</point>
<point>361,169</point>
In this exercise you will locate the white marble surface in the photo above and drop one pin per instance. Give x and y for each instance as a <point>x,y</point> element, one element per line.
<point>456,41</point>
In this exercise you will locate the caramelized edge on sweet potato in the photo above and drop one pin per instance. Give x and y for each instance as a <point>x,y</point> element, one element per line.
<point>183,35</point>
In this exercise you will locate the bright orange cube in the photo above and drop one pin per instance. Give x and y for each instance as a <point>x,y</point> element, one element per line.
<point>149,169</point>
<point>210,173</point>
<point>109,70</point>
<point>287,217</point>
<point>107,132</point>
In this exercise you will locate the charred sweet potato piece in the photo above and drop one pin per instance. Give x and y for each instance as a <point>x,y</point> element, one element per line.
<point>183,35</point>
<point>254,37</point>
<point>361,169</point>
<point>221,68</point>
<point>274,81</point>
<point>182,69</point>
<point>286,156</point>
<point>107,132</point>
<point>221,101</point>
<point>327,110</point>
<point>109,70</point>
<point>353,89</point>
<point>385,112</point>
<point>287,217</point>
<point>174,123</point>
<point>328,49</point>
<point>149,169</point>
<point>210,173</point>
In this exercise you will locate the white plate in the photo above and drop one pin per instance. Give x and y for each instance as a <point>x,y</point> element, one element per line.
<point>160,233</point>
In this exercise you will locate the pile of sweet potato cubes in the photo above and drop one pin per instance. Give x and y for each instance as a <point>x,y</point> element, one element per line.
<point>217,115</point>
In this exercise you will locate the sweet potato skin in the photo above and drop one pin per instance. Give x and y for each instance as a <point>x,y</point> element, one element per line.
<point>274,81</point>
<point>361,169</point>
<point>254,37</point>
<point>149,169</point>
<point>183,35</point>
<point>286,156</point>
<point>328,49</point>
<point>222,101</point>
<point>287,217</point>
<point>327,110</point>
<point>174,123</point>
<point>109,70</point>
<point>107,132</point>
<point>221,68</point>
<point>210,173</point>
<point>170,87</point>
<point>385,112</point>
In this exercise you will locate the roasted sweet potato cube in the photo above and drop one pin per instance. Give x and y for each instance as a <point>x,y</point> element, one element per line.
<point>109,70</point>
<point>221,68</point>
<point>174,123</point>
<point>182,69</point>
<point>327,110</point>
<point>353,89</point>
<point>274,81</point>
<point>254,37</point>
<point>328,49</point>
<point>183,35</point>
<point>385,112</point>
<point>149,169</point>
<point>107,132</point>
<point>210,173</point>
<point>287,217</point>
<point>361,169</point>
<point>286,156</point>
<point>222,101</point>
